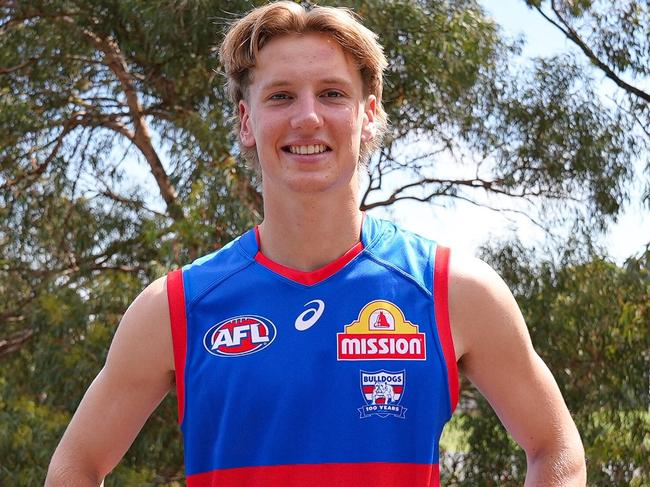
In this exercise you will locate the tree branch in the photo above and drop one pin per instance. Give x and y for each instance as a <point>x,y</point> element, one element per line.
<point>31,60</point>
<point>574,37</point>
<point>14,342</point>
<point>142,134</point>
<point>39,169</point>
<point>108,193</point>
<point>29,16</point>
<point>489,186</point>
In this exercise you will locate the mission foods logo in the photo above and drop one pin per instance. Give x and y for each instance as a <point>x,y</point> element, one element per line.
<point>241,335</point>
<point>381,333</point>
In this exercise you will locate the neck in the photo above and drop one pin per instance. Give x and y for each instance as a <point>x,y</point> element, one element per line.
<point>306,232</point>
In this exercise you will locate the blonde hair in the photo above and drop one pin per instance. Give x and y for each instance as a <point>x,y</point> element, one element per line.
<point>248,35</point>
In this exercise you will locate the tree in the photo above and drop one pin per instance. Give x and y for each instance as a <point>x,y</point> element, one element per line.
<point>613,37</point>
<point>117,165</point>
<point>588,319</point>
<point>526,137</point>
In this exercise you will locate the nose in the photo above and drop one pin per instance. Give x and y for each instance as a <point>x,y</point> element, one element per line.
<point>306,114</point>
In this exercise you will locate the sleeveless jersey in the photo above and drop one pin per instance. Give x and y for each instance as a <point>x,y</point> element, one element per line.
<point>344,376</point>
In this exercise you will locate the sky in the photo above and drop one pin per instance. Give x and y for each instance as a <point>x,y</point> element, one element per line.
<point>465,227</point>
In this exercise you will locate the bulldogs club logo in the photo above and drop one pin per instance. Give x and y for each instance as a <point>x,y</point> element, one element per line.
<point>381,333</point>
<point>241,335</point>
<point>383,391</point>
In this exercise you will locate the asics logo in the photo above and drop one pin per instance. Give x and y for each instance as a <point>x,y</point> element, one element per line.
<point>310,316</point>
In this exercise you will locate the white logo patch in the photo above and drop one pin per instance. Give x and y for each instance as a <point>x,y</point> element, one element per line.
<point>302,322</point>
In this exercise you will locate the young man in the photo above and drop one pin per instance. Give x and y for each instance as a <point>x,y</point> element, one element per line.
<point>321,347</point>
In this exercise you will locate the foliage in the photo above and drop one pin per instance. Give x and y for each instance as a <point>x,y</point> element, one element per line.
<point>613,37</point>
<point>588,319</point>
<point>117,164</point>
<point>535,133</point>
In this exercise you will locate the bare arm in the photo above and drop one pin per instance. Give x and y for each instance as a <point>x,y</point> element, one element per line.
<point>137,375</point>
<point>494,351</point>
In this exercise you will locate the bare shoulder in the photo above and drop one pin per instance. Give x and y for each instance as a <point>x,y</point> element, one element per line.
<point>151,302</point>
<point>145,330</point>
<point>483,311</point>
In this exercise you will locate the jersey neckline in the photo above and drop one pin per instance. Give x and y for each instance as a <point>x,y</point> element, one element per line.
<point>309,278</point>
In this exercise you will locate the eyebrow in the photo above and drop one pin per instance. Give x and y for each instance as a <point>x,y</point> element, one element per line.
<point>279,83</point>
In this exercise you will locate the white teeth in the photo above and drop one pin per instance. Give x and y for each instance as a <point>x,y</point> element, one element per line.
<point>307,149</point>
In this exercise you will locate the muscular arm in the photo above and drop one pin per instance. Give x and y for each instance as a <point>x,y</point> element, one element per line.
<point>494,351</point>
<point>137,375</point>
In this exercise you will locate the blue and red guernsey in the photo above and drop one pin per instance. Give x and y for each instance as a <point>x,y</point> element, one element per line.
<point>344,376</point>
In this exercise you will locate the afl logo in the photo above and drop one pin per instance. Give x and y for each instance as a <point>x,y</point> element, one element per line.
<point>241,335</point>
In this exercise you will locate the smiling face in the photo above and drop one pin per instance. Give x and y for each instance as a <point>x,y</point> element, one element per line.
<point>306,115</point>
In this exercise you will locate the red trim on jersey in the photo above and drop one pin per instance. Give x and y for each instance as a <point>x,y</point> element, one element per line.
<point>441,300</point>
<point>307,278</point>
<point>323,475</point>
<point>257,237</point>
<point>176,299</point>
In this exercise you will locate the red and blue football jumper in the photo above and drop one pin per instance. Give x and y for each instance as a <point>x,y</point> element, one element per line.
<point>344,376</point>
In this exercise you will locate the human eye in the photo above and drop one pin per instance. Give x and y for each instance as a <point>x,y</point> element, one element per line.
<point>278,96</point>
<point>333,94</point>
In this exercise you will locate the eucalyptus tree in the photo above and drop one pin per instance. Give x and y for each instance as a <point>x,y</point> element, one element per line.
<point>588,319</point>
<point>117,163</point>
<point>614,37</point>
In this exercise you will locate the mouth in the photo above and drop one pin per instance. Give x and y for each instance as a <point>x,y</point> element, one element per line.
<point>306,150</point>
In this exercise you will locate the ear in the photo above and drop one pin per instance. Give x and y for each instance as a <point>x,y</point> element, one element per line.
<point>245,131</point>
<point>369,127</point>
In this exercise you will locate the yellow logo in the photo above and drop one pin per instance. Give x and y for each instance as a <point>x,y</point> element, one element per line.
<point>381,333</point>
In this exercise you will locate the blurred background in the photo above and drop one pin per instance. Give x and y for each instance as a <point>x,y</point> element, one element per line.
<point>519,133</point>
